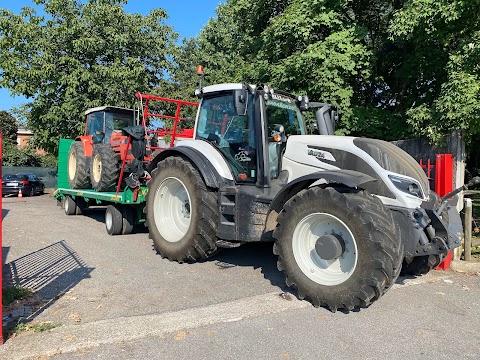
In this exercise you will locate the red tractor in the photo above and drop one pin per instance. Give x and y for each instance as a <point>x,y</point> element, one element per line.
<point>103,155</point>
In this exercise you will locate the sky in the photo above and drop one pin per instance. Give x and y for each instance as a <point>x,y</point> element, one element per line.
<point>187,17</point>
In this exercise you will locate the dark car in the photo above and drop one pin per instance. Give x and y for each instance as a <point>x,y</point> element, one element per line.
<point>29,183</point>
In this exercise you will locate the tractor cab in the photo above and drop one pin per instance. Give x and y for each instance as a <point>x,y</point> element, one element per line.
<point>102,122</point>
<point>249,125</point>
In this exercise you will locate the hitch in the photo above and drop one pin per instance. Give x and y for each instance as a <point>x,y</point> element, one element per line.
<point>474,181</point>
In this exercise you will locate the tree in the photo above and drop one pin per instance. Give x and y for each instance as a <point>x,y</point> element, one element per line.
<point>8,127</point>
<point>447,96</point>
<point>80,55</point>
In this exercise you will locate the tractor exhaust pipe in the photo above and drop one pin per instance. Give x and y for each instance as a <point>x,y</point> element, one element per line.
<point>326,117</point>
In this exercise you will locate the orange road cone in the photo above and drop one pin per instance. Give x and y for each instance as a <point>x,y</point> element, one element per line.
<point>20,193</point>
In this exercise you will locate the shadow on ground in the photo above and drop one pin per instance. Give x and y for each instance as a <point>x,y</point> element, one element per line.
<point>255,255</point>
<point>49,273</point>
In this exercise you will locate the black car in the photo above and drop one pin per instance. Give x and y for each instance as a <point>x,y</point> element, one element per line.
<point>30,184</point>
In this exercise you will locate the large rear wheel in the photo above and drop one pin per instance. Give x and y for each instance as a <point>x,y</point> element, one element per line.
<point>104,168</point>
<point>181,212</point>
<point>77,167</point>
<point>337,247</point>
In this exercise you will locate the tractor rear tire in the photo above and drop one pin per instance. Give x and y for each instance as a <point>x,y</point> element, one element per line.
<point>182,212</point>
<point>77,167</point>
<point>420,265</point>
<point>104,168</point>
<point>367,256</point>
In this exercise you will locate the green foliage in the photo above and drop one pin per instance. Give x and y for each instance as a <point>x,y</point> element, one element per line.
<point>79,55</point>
<point>8,127</point>
<point>394,68</point>
<point>451,30</point>
<point>26,157</point>
<point>11,294</point>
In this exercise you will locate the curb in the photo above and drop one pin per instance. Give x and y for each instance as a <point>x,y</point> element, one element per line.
<point>472,267</point>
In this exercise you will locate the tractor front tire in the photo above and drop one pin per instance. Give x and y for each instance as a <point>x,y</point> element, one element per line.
<point>77,167</point>
<point>104,168</point>
<point>181,212</point>
<point>337,247</point>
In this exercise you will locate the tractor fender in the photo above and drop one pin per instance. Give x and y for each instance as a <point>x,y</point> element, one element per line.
<point>349,178</point>
<point>87,145</point>
<point>209,173</point>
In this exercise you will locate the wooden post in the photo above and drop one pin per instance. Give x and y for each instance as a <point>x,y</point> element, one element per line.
<point>467,252</point>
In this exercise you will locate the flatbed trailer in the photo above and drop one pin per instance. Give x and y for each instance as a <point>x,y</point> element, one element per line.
<point>124,209</point>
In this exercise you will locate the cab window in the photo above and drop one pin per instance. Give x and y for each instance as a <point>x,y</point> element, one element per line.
<point>232,134</point>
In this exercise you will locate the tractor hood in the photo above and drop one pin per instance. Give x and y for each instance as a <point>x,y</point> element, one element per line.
<point>392,167</point>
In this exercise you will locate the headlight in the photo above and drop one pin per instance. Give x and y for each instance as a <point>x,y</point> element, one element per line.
<point>407,185</point>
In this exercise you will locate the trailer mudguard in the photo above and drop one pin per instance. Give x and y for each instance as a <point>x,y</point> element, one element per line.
<point>349,178</point>
<point>211,176</point>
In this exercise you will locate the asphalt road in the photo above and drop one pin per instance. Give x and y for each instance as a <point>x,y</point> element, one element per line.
<point>113,297</point>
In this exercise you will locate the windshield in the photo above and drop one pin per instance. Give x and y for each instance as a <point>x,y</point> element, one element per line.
<point>282,110</point>
<point>232,134</point>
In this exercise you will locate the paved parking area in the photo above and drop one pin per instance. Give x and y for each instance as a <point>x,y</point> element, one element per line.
<point>114,291</point>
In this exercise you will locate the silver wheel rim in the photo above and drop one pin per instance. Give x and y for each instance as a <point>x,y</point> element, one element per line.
<point>323,272</point>
<point>72,165</point>
<point>108,219</point>
<point>67,206</point>
<point>97,168</point>
<point>172,211</point>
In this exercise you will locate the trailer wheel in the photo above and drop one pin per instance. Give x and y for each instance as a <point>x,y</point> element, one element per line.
<point>104,168</point>
<point>80,205</point>
<point>181,212</point>
<point>420,265</point>
<point>69,206</point>
<point>114,219</point>
<point>337,247</point>
<point>77,167</point>
<point>128,215</point>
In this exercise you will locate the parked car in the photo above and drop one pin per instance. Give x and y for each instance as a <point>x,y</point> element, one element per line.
<point>29,183</point>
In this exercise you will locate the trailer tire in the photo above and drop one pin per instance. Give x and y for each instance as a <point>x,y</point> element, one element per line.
<point>114,219</point>
<point>80,205</point>
<point>181,211</point>
<point>420,265</point>
<point>128,214</point>
<point>362,255</point>
<point>69,206</point>
<point>77,168</point>
<point>104,168</point>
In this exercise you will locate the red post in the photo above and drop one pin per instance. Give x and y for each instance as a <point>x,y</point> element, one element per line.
<point>1,245</point>
<point>443,174</point>
<point>443,185</point>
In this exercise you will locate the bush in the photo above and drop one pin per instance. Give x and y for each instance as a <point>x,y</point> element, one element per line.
<point>26,157</point>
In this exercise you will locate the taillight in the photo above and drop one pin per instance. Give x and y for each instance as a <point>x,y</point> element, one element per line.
<point>25,182</point>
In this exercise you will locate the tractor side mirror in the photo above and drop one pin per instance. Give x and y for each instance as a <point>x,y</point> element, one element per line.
<point>240,101</point>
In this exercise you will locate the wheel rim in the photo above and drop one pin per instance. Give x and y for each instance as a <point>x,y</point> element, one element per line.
<point>72,165</point>
<point>172,211</point>
<point>67,205</point>
<point>97,168</point>
<point>108,219</point>
<point>321,271</point>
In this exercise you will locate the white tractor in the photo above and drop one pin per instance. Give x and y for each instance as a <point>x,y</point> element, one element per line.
<point>344,212</point>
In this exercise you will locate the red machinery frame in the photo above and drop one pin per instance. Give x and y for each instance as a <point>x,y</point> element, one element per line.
<point>185,133</point>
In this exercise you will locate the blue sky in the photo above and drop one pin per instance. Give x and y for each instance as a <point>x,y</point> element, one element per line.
<point>186,16</point>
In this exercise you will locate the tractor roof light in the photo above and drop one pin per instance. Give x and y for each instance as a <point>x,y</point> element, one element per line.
<point>199,70</point>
